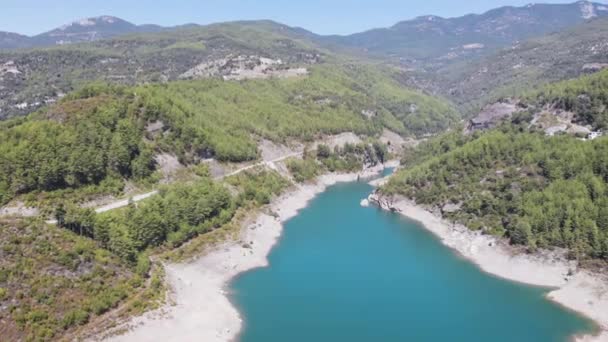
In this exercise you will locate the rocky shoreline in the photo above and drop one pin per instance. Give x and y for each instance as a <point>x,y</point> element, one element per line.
<point>202,310</point>
<point>578,290</point>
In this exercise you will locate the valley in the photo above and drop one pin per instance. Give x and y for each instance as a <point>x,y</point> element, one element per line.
<point>144,169</point>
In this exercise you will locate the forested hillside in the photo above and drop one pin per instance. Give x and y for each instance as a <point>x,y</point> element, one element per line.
<point>586,96</point>
<point>539,191</point>
<point>35,77</point>
<point>432,41</point>
<point>52,281</point>
<point>524,67</point>
<point>96,135</point>
<point>183,219</point>
<point>86,123</point>
<point>104,137</point>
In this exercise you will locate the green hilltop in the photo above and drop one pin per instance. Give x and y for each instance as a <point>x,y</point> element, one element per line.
<point>514,181</point>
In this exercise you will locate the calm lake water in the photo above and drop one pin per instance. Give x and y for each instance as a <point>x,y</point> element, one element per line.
<point>342,272</point>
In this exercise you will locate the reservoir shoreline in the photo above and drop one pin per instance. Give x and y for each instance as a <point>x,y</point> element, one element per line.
<point>578,290</point>
<point>201,309</point>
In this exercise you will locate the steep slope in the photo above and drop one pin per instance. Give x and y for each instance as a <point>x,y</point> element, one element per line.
<point>41,76</point>
<point>90,29</point>
<point>229,51</point>
<point>93,141</point>
<point>437,40</point>
<point>81,31</point>
<point>96,135</point>
<point>586,98</point>
<point>512,71</point>
<point>53,282</point>
<point>9,40</point>
<point>537,189</point>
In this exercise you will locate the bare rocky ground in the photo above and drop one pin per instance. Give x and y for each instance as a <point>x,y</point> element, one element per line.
<point>19,209</point>
<point>168,165</point>
<point>553,121</point>
<point>493,114</point>
<point>237,68</point>
<point>339,140</point>
<point>271,151</point>
<point>397,143</point>
<point>549,119</point>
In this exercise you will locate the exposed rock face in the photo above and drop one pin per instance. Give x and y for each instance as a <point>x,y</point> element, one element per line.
<point>555,121</point>
<point>451,208</point>
<point>594,67</point>
<point>243,67</point>
<point>168,165</point>
<point>493,114</point>
<point>9,68</point>
<point>587,10</point>
<point>442,40</point>
<point>368,113</point>
<point>386,203</point>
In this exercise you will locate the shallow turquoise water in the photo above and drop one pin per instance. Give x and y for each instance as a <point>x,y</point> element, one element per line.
<point>345,273</point>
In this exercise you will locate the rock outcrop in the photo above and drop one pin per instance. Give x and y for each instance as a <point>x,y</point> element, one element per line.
<point>384,202</point>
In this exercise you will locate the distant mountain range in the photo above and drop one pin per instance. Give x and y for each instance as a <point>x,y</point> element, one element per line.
<point>427,38</point>
<point>566,54</point>
<point>81,31</point>
<point>445,39</point>
<point>469,60</point>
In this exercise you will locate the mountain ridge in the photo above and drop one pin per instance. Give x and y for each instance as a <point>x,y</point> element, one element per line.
<point>78,31</point>
<point>440,40</point>
<point>472,31</point>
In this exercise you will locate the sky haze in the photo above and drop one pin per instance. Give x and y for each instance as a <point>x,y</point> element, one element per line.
<point>320,16</point>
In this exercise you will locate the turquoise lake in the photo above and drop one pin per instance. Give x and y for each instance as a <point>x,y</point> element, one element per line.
<point>341,272</point>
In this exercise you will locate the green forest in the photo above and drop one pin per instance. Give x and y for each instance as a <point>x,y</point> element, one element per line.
<point>99,139</point>
<point>85,141</point>
<point>102,135</point>
<point>347,158</point>
<point>82,125</point>
<point>92,263</point>
<point>538,191</point>
<point>52,281</point>
<point>586,96</point>
<point>179,213</point>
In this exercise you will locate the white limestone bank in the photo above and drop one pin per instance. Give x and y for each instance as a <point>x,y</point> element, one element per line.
<point>578,290</point>
<point>201,310</point>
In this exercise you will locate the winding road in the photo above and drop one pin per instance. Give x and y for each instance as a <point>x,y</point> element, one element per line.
<point>138,198</point>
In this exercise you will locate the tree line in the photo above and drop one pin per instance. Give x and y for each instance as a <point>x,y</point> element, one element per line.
<point>536,190</point>
<point>179,213</point>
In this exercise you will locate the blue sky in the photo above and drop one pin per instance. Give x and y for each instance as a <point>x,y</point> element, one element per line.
<point>320,16</point>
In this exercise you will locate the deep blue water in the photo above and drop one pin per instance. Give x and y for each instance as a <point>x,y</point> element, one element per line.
<point>342,272</point>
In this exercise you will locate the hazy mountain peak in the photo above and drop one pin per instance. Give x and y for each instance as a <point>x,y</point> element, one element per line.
<point>90,29</point>
<point>91,22</point>
<point>587,9</point>
<point>429,18</point>
<point>447,39</point>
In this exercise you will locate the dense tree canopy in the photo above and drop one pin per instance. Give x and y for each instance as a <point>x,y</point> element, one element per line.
<point>586,96</point>
<point>82,142</point>
<point>539,191</point>
<point>113,132</point>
